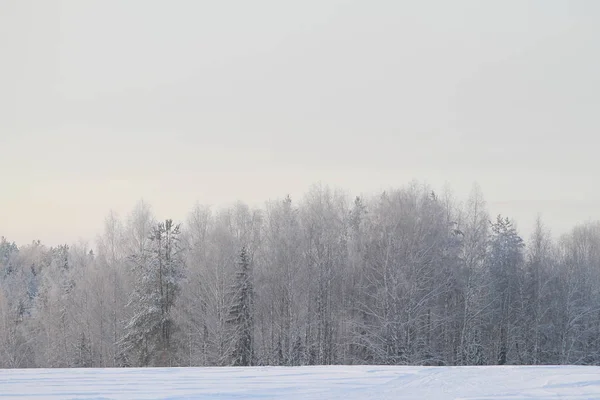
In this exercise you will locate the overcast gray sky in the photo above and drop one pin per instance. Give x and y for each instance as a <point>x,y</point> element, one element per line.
<point>106,102</point>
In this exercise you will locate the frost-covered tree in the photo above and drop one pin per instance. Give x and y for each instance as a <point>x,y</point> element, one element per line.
<point>241,315</point>
<point>505,262</point>
<point>323,219</point>
<point>577,292</point>
<point>52,322</point>
<point>357,281</point>
<point>193,313</point>
<point>8,253</point>
<point>411,258</point>
<point>474,281</point>
<point>281,280</point>
<point>13,305</point>
<point>537,297</point>
<point>158,270</point>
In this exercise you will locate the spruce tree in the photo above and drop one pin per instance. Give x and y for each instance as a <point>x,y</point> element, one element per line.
<point>240,314</point>
<point>158,270</point>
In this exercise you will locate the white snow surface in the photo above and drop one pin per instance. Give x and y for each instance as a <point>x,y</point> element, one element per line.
<point>315,382</point>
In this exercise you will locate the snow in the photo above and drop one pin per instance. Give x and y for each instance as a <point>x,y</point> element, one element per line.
<point>318,382</point>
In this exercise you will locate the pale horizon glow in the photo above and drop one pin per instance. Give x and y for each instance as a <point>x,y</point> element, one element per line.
<point>104,103</point>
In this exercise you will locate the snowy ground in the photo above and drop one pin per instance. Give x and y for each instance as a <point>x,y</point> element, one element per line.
<point>334,382</point>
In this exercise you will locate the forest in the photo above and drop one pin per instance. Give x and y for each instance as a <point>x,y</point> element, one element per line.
<point>405,277</point>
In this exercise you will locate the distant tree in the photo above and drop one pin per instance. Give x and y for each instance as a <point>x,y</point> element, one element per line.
<point>281,285</point>
<point>537,299</point>
<point>83,352</point>
<point>241,314</point>
<point>474,228</point>
<point>8,252</point>
<point>114,281</point>
<point>195,292</point>
<point>577,293</point>
<point>149,333</point>
<point>51,320</point>
<point>356,280</point>
<point>323,218</point>
<point>505,261</point>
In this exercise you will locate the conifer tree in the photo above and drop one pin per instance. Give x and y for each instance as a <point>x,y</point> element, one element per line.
<point>241,313</point>
<point>149,333</point>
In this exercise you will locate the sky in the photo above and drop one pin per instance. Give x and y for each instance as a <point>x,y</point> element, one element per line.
<point>106,102</point>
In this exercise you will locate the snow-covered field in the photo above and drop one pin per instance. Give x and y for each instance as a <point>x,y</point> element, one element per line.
<point>333,382</point>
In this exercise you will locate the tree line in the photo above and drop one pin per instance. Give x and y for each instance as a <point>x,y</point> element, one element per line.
<point>407,277</point>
